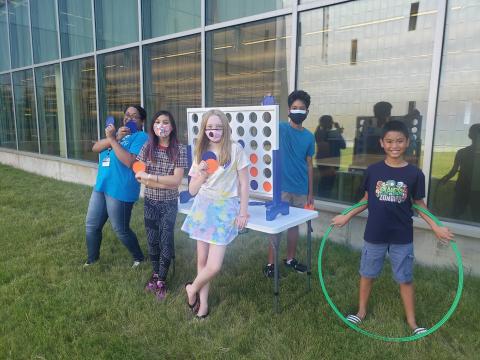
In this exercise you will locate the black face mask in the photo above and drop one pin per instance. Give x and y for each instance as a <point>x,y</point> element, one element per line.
<point>297,118</point>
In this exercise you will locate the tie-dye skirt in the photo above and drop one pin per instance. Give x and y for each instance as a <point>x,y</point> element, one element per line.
<point>212,220</point>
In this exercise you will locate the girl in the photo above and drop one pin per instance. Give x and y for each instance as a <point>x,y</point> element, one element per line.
<point>165,161</point>
<point>216,214</point>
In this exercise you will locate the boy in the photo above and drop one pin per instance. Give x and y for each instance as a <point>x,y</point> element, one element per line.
<point>390,187</point>
<point>297,146</point>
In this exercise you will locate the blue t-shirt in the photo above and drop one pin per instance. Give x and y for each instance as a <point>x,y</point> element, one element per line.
<point>295,146</point>
<point>117,180</point>
<point>390,193</point>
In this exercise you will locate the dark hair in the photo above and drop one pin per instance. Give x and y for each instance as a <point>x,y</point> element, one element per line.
<point>141,111</point>
<point>153,141</point>
<point>326,122</point>
<point>395,125</point>
<point>382,110</point>
<point>474,131</point>
<point>299,95</point>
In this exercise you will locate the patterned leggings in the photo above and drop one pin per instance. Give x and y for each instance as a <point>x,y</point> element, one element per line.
<point>160,219</point>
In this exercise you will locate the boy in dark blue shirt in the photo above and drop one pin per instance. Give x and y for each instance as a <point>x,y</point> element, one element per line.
<point>390,188</point>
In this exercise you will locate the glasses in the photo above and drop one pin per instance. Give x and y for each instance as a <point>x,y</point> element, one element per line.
<point>131,116</point>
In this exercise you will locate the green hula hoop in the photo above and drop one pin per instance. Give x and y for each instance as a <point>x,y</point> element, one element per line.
<point>385,338</point>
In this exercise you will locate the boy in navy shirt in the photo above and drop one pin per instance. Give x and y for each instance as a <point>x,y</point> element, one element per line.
<point>390,187</point>
<point>297,146</point>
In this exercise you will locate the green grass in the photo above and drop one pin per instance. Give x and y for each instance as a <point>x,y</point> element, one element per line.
<point>52,309</point>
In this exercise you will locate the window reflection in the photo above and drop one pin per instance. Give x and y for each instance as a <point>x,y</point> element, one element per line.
<point>349,64</point>
<point>4,50</point>
<point>76,29</point>
<point>80,108</point>
<point>248,64</point>
<point>455,176</point>
<point>25,111</point>
<point>44,30</point>
<point>172,79</point>
<point>7,121</point>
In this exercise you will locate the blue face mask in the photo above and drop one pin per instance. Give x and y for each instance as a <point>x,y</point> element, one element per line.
<point>298,116</point>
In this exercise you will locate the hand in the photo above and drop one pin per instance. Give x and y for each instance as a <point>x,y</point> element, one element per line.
<point>202,169</point>
<point>310,199</point>
<point>241,221</point>
<point>141,177</point>
<point>122,132</point>
<point>443,180</point>
<point>110,132</point>
<point>339,220</point>
<point>443,234</point>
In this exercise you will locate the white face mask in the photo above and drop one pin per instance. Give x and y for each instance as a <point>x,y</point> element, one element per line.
<point>162,130</point>
<point>214,135</point>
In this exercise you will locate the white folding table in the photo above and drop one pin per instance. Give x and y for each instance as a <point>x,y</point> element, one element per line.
<point>258,222</point>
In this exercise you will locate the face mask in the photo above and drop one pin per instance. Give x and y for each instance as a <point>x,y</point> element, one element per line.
<point>298,116</point>
<point>162,130</point>
<point>214,135</point>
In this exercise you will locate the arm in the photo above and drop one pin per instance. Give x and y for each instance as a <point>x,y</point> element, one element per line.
<point>341,220</point>
<point>103,144</point>
<point>310,180</point>
<point>161,182</point>
<point>453,170</point>
<point>200,177</point>
<point>123,155</point>
<point>441,232</point>
<point>242,217</point>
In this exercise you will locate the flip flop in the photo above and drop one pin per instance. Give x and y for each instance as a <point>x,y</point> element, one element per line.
<point>202,317</point>
<point>419,330</point>
<point>354,319</point>
<point>196,303</point>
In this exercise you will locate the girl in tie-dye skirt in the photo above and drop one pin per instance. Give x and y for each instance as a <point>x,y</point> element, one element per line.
<point>219,209</point>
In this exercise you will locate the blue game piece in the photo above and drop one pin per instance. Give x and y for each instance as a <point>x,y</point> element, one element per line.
<point>209,155</point>
<point>241,142</point>
<point>110,121</point>
<point>254,184</point>
<point>132,125</point>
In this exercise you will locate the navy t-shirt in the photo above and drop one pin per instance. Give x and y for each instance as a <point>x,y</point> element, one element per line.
<point>390,193</point>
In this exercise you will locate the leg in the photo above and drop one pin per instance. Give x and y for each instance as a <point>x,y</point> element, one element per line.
<point>120,213</point>
<point>408,298</point>
<point>212,267</point>
<point>167,225</point>
<point>292,239</point>
<point>363,296</point>
<point>152,229</point>
<point>96,218</point>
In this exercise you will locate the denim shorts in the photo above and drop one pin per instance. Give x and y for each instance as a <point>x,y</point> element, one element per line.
<point>401,258</point>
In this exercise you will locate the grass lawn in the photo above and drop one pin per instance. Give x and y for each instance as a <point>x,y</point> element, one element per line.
<point>53,309</point>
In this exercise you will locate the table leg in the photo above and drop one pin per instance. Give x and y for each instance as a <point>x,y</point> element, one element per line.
<point>275,240</point>
<point>309,254</point>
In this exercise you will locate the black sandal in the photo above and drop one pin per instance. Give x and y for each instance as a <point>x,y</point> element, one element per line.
<point>196,304</point>
<point>202,317</point>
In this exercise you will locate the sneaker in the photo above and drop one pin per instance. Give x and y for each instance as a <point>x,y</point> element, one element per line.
<point>161,290</point>
<point>269,270</point>
<point>151,285</point>
<point>295,265</point>
<point>87,264</point>
<point>136,264</point>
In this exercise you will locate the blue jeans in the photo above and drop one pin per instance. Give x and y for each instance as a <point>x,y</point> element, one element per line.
<point>100,208</point>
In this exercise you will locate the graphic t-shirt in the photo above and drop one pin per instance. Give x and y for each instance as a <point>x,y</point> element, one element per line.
<point>390,193</point>
<point>223,183</point>
<point>295,146</point>
<point>116,179</point>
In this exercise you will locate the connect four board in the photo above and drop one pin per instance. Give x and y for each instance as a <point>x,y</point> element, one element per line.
<point>256,129</point>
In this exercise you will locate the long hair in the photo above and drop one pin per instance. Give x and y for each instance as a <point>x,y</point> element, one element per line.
<point>153,140</point>
<point>225,143</point>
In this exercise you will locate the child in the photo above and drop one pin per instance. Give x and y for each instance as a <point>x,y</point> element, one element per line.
<point>165,161</point>
<point>216,214</point>
<point>297,146</point>
<point>390,187</point>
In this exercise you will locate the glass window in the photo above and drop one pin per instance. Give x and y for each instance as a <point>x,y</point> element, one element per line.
<point>116,22</point>
<point>176,16</point>
<point>4,50</point>
<point>223,10</point>
<point>7,120</point>
<point>25,111</point>
<point>76,28</point>
<point>44,30</point>
<point>47,83</point>
<point>80,108</point>
<point>20,48</point>
<point>118,83</point>
<point>455,176</point>
<point>363,64</point>
<point>172,79</point>
<point>247,63</point>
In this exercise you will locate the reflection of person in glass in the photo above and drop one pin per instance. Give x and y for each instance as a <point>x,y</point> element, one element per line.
<point>330,142</point>
<point>382,112</point>
<point>467,187</point>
